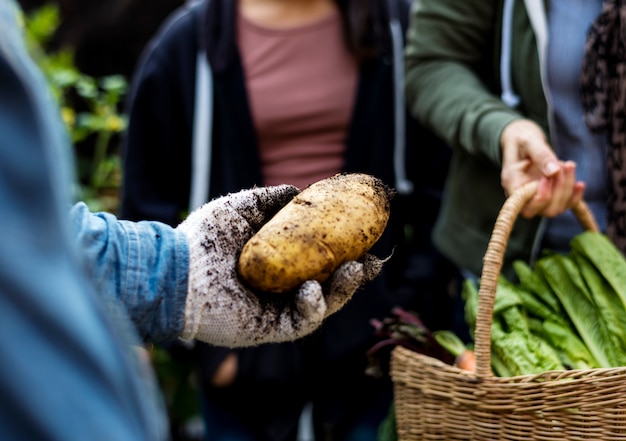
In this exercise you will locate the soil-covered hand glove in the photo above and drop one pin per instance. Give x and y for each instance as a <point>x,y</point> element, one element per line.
<point>221,310</point>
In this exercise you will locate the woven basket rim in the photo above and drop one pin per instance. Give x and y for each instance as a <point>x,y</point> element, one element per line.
<point>554,375</point>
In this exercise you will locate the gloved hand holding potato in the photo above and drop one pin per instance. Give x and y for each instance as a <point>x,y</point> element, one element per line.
<point>225,304</point>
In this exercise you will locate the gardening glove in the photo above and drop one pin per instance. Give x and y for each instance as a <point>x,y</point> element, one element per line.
<point>221,310</point>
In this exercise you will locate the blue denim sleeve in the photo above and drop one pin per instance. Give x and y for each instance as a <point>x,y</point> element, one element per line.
<point>144,264</point>
<point>69,371</point>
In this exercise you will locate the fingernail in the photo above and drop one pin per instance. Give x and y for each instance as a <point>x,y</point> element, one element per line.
<point>551,168</point>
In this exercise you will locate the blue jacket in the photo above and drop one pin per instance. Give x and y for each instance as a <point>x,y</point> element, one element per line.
<point>68,368</point>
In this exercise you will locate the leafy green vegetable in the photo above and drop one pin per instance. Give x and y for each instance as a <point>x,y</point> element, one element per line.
<point>534,305</point>
<point>571,349</point>
<point>470,296</point>
<point>605,257</point>
<point>450,342</point>
<point>565,280</point>
<point>523,353</point>
<point>607,302</point>
<point>503,300</point>
<point>506,297</point>
<point>533,282</point>
<point>568,312</point>
<point>387,429</point>
<point>498,366</point>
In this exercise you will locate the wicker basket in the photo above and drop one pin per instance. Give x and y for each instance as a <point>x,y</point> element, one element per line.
<point>437,401</point>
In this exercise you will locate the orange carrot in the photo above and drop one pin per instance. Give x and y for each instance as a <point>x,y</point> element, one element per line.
<point>466,360</point>
<point>464,356</point>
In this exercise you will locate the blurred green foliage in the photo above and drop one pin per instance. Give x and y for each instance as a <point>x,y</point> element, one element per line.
<point>90,108</point>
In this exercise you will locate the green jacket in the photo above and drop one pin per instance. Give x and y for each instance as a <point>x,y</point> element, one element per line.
<point>454,83</point>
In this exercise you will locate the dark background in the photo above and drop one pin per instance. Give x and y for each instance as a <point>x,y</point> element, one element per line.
<point>107,36</point>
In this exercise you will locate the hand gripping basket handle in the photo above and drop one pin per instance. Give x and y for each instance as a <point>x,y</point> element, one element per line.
<point>492,265</point>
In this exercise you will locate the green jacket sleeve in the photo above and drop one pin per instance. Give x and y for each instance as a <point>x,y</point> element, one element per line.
<point>451,82</point>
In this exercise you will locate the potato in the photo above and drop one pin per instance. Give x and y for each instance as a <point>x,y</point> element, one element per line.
<point>330,222</point>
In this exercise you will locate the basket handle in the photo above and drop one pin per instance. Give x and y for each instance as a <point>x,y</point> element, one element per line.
<point>492,265</point>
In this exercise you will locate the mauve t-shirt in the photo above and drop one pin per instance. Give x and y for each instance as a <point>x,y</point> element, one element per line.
<point>301,84</point>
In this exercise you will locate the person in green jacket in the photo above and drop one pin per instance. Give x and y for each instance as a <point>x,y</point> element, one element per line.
<point>499,80</point>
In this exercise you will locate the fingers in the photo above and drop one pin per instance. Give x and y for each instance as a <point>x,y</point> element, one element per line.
<point>259,204</point>
<point>556,194</point>
<point>372,266</point>
<point>282,322</point>
<point>526,157</point>
<point>579,192</point>
<point>313,306</point>
<point>311,309</point>
<point>234,218</point>
<point>535,206</point>
<point>343,283</point>
<point>349,277</point>
<point>562,190</point>
<point>525,139</point>
<point>544,159</point>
